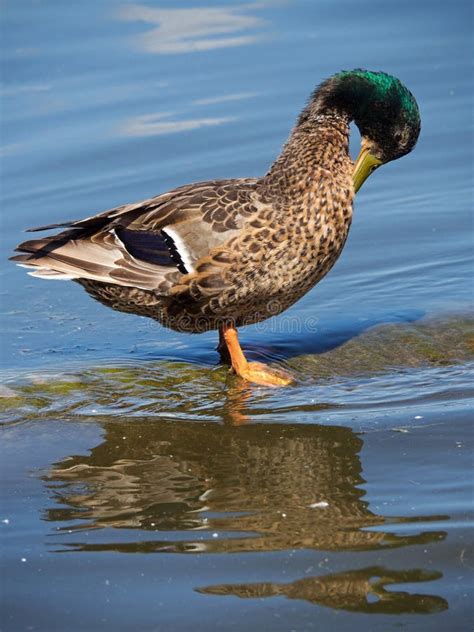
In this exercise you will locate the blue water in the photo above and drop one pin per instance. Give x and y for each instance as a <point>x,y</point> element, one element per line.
<point>122,437</point>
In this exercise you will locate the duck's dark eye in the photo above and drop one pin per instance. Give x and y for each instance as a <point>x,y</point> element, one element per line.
<point>397,137</point>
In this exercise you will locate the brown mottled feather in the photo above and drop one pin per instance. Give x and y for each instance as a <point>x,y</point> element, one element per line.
<point>232,250</point>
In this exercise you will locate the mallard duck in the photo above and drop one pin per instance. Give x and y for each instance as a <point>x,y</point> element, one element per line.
<point>226,253</point>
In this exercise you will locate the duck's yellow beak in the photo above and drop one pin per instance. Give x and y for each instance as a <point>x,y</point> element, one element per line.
<point>364,165</point>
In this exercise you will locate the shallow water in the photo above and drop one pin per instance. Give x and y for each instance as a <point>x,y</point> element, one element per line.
<point>342,502</point>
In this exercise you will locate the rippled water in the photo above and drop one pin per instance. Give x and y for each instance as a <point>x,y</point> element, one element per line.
<point>343,502</point>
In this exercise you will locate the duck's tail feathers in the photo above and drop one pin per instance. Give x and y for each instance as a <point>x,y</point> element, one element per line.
<point>77,254</point>
<point>62,257</point>
<point>37,229</point>
<point>42,273</point>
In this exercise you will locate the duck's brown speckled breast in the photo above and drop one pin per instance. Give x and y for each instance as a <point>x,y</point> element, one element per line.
<point>301,251</point>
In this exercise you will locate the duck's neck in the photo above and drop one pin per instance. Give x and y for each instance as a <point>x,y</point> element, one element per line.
<point>316,146</point>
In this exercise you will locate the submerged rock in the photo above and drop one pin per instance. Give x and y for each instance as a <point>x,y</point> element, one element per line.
<point>440,341</point>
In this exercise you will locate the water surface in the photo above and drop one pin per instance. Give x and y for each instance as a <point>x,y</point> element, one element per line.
<point>144,487</point>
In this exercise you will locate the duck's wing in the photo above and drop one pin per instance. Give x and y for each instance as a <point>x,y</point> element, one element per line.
<point>150,245</point>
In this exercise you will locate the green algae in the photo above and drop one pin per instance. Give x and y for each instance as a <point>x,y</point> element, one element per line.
<point>195,392</point>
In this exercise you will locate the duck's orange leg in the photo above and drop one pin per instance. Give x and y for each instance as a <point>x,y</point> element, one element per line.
<point>255,372</point>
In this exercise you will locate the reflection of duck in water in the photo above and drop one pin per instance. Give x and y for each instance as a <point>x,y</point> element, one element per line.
<point>220,254</point>
<point>362,590</point>
<point>273,486</point>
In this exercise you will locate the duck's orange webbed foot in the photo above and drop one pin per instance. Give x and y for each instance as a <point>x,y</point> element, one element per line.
<point>254,372</point>
<point>259,373</point>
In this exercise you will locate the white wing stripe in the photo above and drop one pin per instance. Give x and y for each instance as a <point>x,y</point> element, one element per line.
<point>181,248</point>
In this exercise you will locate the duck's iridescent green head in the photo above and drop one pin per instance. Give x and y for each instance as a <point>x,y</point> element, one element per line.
<point>384,110</point>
